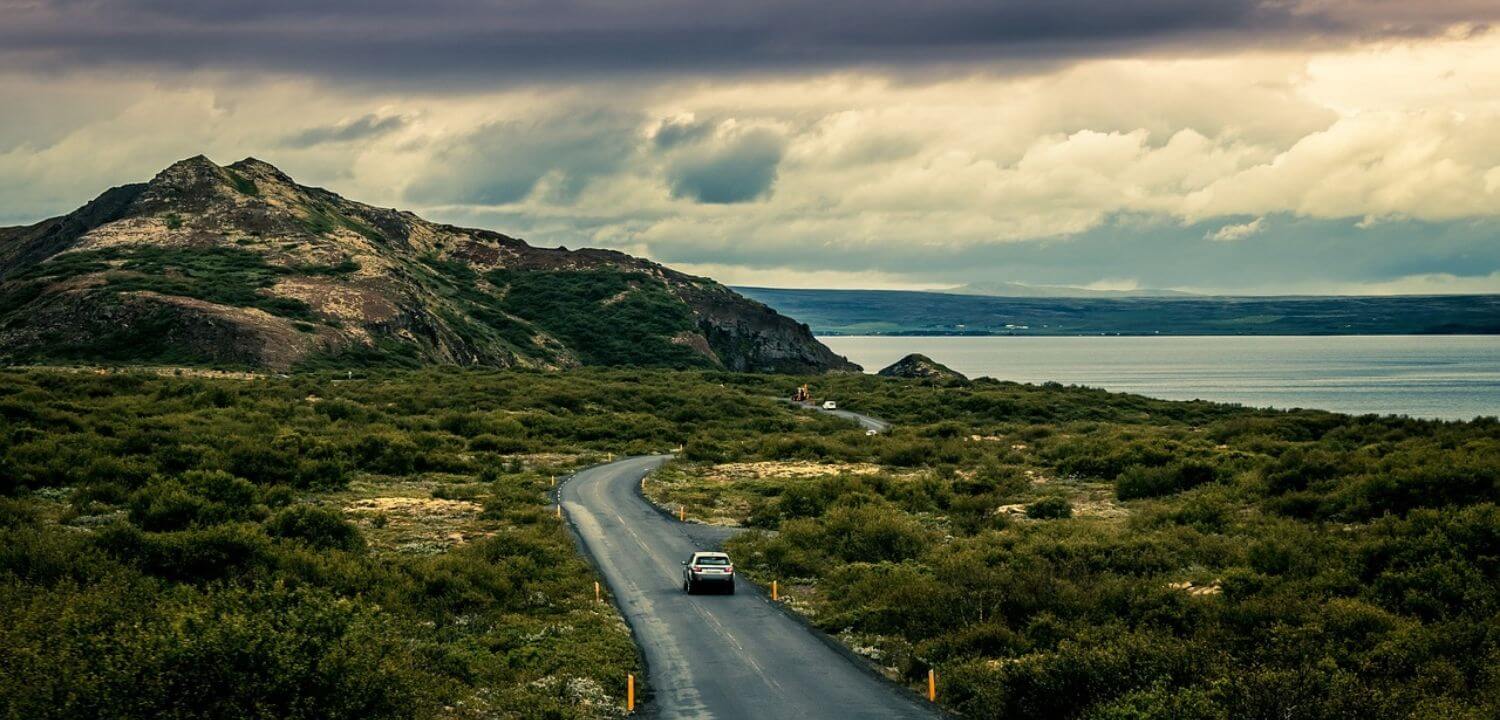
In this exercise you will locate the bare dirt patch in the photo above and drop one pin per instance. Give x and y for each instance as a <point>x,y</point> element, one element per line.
<point>725,495</point>
<point>417,525</point>
<point>1187,586</point>
<point>787,469</point>
<point>350,303</point>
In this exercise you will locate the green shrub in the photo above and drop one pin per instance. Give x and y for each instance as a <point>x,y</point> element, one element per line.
<point>1140,481</point>
<point>318,527</point>
<point>261,464</point>
<point>1002,481</point>
<point>1050,508</point>
<point>190,556</point>
<point>872,534</point>
<point>609,317</point>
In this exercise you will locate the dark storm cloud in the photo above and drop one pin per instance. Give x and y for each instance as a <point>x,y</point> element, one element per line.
<point>678,132</point>
<point>364,128</point>
<point>516,41</point>
<point>504,162</point>
<point>738,169</point>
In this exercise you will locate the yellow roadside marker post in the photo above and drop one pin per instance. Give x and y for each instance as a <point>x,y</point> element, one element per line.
<point>774,596</point>
<point>681,513</point>
<point>597,596</point>
<point>931,685</point>
<point>559,511</point>
<point>630,693</point>
<point>554,481</point>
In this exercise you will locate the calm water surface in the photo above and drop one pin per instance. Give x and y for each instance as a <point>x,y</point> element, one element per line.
<point>1447,376</point>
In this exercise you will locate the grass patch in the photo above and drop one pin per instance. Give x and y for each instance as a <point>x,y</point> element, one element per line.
<point>242,184</point>
<point>609,317</point>
<point>221,274</point>
<point>347,266</point>
<point>322,219</point>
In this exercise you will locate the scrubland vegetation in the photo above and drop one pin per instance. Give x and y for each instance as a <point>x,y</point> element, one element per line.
<point>264,548</point>
<point>1066,553</point>
<point>315,546</point>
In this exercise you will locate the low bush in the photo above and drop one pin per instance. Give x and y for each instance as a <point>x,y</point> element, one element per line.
<point>1050,508</point>
<point>1139,481</point>
<point>318,527</point>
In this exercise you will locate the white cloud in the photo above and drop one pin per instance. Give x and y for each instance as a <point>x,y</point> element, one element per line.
<point>1423,284</point>
<point>1231,233</point>
<point>1114,284</point>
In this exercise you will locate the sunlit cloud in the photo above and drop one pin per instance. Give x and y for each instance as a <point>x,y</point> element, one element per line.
<point>1231,233</point>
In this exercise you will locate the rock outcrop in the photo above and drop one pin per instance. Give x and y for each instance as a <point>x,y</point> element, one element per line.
<point>921,367</point>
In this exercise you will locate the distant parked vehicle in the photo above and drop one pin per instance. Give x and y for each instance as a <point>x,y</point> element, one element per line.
<point>830,405</point>
<point>708,570</point>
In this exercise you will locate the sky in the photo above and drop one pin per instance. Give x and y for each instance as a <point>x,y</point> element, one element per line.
<point>1221,146</point>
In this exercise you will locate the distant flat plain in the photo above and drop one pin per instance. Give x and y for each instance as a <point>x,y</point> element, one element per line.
<point>901,312</point>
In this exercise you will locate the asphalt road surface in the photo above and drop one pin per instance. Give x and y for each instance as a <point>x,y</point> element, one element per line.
<point>865,421</point>
<point>728,657</point>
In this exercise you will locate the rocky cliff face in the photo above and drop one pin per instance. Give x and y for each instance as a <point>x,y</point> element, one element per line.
<point>240,265</point>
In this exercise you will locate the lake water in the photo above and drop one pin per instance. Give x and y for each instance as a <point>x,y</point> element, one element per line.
<point>1447,376</point>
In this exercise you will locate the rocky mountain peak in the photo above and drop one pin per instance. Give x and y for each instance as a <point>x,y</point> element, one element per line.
<point>260,171</point>
<point>189,184</point>
<point>191,172</point>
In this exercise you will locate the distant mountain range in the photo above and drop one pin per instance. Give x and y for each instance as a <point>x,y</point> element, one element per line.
<point>1021,290</point>
<point>897,312</point>
<point>241,266</point>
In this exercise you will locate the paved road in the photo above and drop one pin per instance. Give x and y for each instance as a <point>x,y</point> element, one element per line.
<point>729,657</point>
<point>865,421</point>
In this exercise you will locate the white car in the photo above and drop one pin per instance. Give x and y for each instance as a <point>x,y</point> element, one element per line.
<point>830,405</point>
<point>707,569</point>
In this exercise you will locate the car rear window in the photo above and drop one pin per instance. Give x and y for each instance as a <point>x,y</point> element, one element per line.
<point>713,561</point>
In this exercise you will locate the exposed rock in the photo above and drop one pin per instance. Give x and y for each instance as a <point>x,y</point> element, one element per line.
<point>921,367</point>
<point>239,265</point>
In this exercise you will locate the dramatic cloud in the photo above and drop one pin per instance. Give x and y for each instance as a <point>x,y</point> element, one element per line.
<point>678,131</point>
<point>504,162</point>
<point>363,128</point>
<point>478,41</point>
<point>739,166</point>
<point>1275,146</point>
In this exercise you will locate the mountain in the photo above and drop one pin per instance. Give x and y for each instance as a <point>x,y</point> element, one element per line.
<point>1010,289</point>
<point>241,266</point>
<point>901,312</point>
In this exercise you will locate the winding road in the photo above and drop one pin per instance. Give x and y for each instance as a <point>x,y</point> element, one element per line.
<point>729,657</point>
<point>864,421</point>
